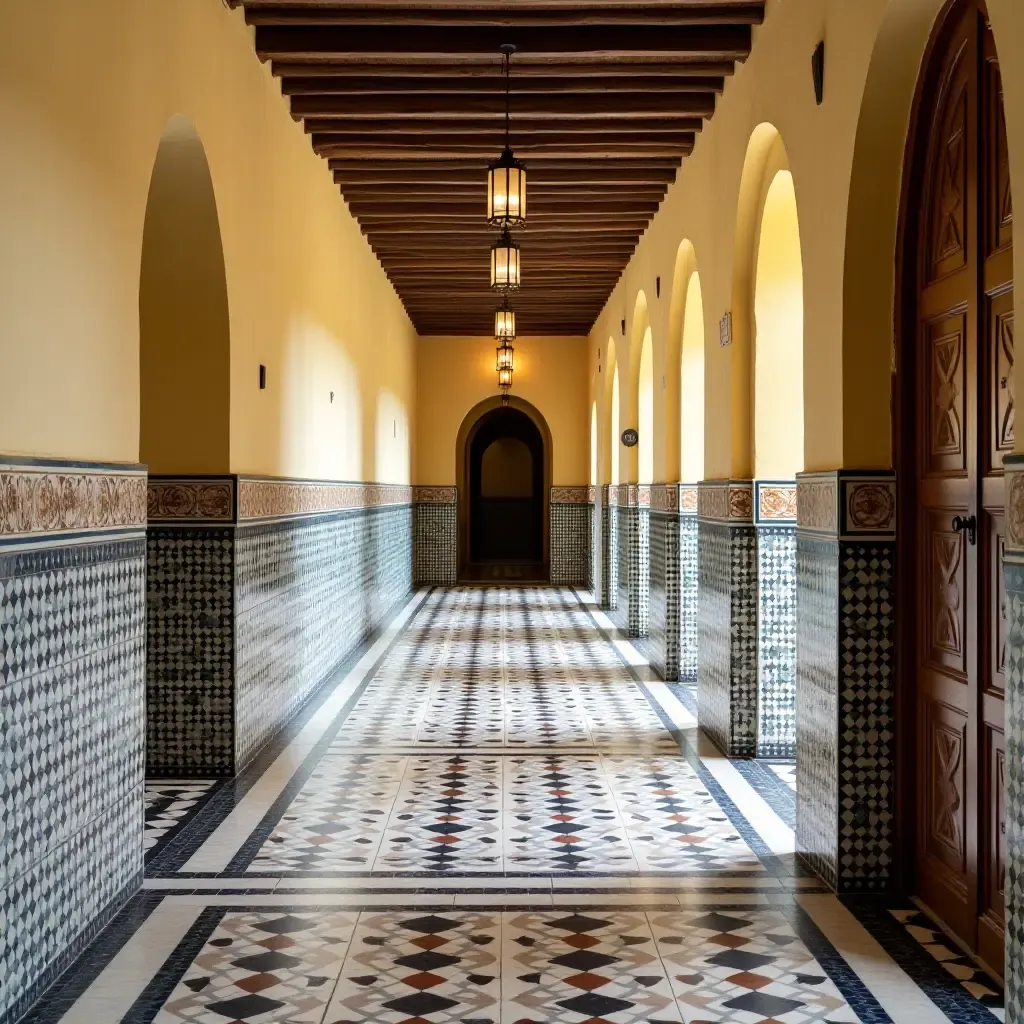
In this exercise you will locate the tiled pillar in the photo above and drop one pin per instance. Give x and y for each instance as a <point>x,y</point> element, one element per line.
<point>435,540</point>
<point>570,535</point>
<point>727,615</point>
<point>673,581</point>
<point>1013,757</point>
<point>72,714</point>
<point>596,542</point>
<point>634,525</point>
<point>609,596</point>
<point>845,660</point>
<point>775,517</point>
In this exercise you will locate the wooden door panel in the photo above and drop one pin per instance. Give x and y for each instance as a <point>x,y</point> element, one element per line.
<point>999,379</point>
<point>991,924</point>
<point>945,400</point>
<point>944,821</point>
<point>944,594</point>
<point>993,597</point>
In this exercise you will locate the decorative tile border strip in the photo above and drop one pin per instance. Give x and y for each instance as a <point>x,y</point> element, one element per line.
<point>774,502</point>
<point>435,495</point>
<point>191,500</point>
<point>726,501</point>
<point>674,499</point>
<point>262,498</point>
<point>631,495</point>
<point>42,497</point>
<point>573,495</point>
<point>850,504</point>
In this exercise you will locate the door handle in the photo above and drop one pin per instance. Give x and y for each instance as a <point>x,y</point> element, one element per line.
<point>968,523</point>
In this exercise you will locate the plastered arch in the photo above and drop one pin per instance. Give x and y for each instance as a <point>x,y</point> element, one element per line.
<point>765,157</point>
<point>685,267</point>
<point>629,386</point>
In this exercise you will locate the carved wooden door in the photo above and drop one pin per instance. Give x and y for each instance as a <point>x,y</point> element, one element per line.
<point>964,425</point>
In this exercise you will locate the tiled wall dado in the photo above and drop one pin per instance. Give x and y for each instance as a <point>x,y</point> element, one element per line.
<point>672,627</point>
<point>258,589</point>
<point>435,536</point>
<point>775,517</point>
<point>632,536</point>
<point>609,594</point>
<point>727,614</point>
<point>72,688</point>
<point>1013,581</point>
<point>571,514</point>
<point>846,525</point>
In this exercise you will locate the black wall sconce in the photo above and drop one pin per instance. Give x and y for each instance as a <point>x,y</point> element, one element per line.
<point>263,377</point>
<point>623,328</point>
<point>657,287</point>
<point>818,71</point>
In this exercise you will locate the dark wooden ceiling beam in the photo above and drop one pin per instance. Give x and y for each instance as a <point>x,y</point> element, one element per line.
<point>487,67</point>
<point>410,192</point>
<point>524,109</point>
<point>397,147</point>
<point>539,214</point>
<point>513,17</point>
<point>523,131</point>
<point>710,42</point>
<point>464,85</point>
<point>547,169</point>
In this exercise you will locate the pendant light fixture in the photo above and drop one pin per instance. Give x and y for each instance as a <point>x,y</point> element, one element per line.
<point>505,265</point>
<point>506,177</point>
<point>504,322</point>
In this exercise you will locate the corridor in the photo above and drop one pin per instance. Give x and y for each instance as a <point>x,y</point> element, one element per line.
<point>494,812</point>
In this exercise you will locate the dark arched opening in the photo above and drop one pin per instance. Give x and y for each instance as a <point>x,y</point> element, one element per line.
<point>506,492</point>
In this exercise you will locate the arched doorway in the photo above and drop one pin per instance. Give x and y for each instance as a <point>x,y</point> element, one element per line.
<point>954,424</point>
<point>504,480</point>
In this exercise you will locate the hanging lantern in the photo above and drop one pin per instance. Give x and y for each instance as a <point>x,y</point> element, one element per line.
<point>505,378</point>
<point>504,323</point>
<point>505,267</point>
<point>506,177</point>
<point>506,191</point>
<point>505,353</point>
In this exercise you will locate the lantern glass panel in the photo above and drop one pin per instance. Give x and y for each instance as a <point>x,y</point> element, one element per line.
<point>505,271</point>
<point>505,378</point>
<point>505,357</point>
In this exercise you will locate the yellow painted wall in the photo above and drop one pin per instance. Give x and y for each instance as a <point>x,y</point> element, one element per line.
<point>86,90</point>
<point>778,340</point>
<point>846,158</point>
<point>453,374</point>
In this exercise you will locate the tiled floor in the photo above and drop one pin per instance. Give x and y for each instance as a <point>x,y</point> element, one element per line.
<point>498,816</point>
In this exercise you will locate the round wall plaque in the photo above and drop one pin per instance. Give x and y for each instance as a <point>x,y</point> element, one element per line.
<point>630,437</point>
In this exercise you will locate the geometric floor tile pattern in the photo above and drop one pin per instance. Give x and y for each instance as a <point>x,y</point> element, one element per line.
<point>470,966</point>
<point>492,823</point>
<point>550,813</point>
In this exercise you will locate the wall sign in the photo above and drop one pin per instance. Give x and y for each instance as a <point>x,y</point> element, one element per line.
<point>725,329</point>
<point>630,437</point>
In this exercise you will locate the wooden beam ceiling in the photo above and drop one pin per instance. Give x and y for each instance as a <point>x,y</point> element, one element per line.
<point>406,101</point>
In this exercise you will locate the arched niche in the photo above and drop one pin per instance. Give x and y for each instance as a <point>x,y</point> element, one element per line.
<point>765,157</point>
<point>645,411</point>
<point>593,444</point>
<point>684,380</point>
<point>779,336</point>
<point>475,421</point>
<point>609,396</point>
<point>640,330</point>
<point>184,329</point>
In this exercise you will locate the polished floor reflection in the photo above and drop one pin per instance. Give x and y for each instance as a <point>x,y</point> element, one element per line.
<point>498,815</point>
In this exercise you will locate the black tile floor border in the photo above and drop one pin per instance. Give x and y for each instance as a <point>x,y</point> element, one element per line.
<point>774,865</point>
<point>854,991</point>
<point>915,961</point>
<point>204,823</point>
<point>775,793</point>
<point>83,970</point>
<point>164,982</point>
